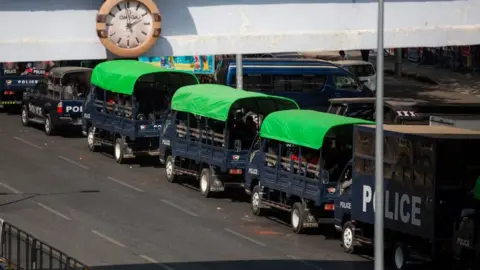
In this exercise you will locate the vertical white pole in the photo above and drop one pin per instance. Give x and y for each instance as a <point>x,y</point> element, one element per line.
<point>239,70</point>
<point>379,190</point>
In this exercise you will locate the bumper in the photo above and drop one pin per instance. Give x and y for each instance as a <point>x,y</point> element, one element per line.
<point>10,102</point>
<point>68,121</point>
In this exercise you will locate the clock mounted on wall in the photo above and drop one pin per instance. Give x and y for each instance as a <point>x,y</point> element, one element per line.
<point>129,28</point>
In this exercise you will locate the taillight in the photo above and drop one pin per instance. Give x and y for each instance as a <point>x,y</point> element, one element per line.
<point>60,108</point>
<point>236,171</point>
<point>329,207</point>
<point>8,92</point>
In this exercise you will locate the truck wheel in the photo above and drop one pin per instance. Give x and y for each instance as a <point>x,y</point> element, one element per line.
<point>48,126</point>
<point>119,150</point>
<point>91,140</point>
<point>205,182</point>
<point>348,237</point>
<point>297,216</point>
<point>399,256</point>
<point>256,201</point>
<point>25,118</point>
<point>170,169</point>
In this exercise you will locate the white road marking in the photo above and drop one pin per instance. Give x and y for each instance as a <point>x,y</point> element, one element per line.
<point>16,191</point>
<point>304,262</point>
<point>27,142</point>
<point>180,208</point>
<point>109,239</point>
<point>245,237</point>
<point>54,211</point>
<point>148,259</point>
<point>73,162</point>
<point>124,184</point>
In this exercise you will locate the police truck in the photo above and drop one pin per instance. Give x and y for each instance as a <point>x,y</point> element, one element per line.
<point>427,172</point>
<point>15,78</point>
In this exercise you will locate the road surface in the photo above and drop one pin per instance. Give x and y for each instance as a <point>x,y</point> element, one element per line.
<point>115,216</point>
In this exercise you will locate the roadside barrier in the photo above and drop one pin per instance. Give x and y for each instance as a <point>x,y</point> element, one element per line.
<point>20,250</point>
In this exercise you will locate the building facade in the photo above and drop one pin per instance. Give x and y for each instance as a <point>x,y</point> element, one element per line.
<point>65,29</point>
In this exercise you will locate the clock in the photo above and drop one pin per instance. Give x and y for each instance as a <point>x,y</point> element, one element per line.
<point>128,28</point>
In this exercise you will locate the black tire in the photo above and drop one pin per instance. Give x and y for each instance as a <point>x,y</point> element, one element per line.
<point>25,117</point>
<point>170,169</point>
<point>119,151</point>
<point>205,182</point>
<point>297,214</point>
<point>256,202</point>
<point>397,262</point>
<point>91,140</point>
<point>48,126</point>
<point>348,238</point>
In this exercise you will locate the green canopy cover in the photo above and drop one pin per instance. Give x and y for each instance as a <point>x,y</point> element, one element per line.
<point>303,127</point>
<point>214,100</point>
<point>120,76</point>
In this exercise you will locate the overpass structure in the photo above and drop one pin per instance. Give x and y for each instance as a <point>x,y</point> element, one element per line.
<point>35,30</point>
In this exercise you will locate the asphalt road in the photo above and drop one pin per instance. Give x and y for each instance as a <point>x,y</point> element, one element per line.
<point>128,216</point>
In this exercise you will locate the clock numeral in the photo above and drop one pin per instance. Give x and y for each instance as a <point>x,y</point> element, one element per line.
<point>127,5</point>
<point>111,14</point>
<point>128,43</point>
<point>157,17</point>
<point>144,14</point>
<point>138,40</point>
<point>147,23</point>
<point>138,6</point>
<point>119,8</point>
<point>157,32</point>
<point>145,33</point>
<point>119,39</point>
<point>101,18</point>
<point>102,33</point>
<point>108,24</point>
<point>112,34</point>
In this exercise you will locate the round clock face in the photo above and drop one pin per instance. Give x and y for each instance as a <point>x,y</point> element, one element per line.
<point>128,28</point>
<point>129,24</point>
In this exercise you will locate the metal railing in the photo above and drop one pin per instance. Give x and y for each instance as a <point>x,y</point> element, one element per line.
<point>23,251</point>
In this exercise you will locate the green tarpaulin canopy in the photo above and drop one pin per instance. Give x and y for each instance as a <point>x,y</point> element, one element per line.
<point>214,100</point>
<point>120,76</point>
<point>303,127</point>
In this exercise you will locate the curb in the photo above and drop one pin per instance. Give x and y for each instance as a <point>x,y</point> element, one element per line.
<point>412,75</point>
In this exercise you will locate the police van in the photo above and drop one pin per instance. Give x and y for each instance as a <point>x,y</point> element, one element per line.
<point>57,101</point>
<point>428,170</point>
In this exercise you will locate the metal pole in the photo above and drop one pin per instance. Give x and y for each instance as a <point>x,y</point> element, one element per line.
<point>398,62</point>
<point>379,191</point>
<point>239,70</point>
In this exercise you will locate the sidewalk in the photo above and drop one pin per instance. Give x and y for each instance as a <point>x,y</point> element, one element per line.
<point>443,79</point>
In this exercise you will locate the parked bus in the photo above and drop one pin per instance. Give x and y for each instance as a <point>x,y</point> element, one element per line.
<point>311,83</point>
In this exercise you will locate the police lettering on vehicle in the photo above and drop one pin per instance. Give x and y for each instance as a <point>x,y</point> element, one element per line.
<point>345,205</point>
<point>27,82</point>
<point>74,109</point>
<point>405,209</point>
<point>35,109</point>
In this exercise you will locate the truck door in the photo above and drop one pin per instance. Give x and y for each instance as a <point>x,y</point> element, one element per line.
<point>36,101</point>
<point>343,201</point>
<point>345,86</point>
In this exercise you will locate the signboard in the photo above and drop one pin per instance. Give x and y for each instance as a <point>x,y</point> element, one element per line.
<point>198,64</point>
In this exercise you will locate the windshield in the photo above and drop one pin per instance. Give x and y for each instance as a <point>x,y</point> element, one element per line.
<point>283,83</point>
<point>363,70</point>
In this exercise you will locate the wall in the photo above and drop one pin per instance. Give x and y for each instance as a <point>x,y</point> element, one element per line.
<point>65,29</point>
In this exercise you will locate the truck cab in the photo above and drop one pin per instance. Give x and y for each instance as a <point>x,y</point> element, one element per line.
<point>57,101</point>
